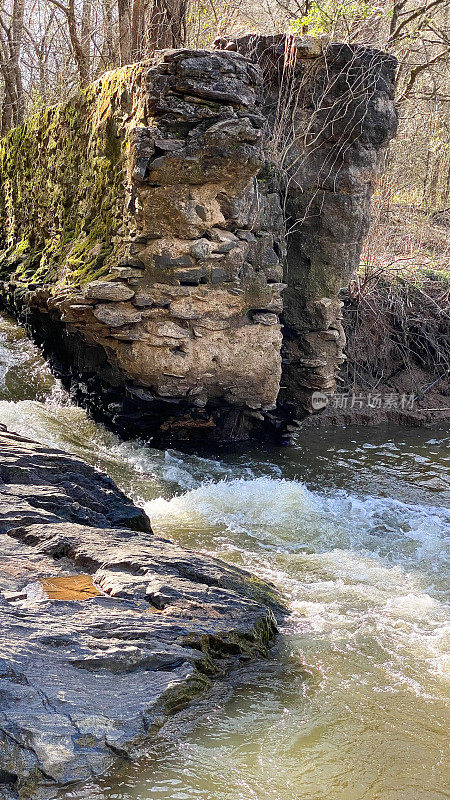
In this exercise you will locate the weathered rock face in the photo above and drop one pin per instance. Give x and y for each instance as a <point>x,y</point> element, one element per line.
<point>85,681</point>
<point>144,230</point>
<point>332,113</point>
<point>147,183</point>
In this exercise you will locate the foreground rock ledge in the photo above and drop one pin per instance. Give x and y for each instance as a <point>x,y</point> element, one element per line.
<point>85,682</point>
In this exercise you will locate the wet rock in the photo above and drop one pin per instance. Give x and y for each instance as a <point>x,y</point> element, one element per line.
<point>106,628</point>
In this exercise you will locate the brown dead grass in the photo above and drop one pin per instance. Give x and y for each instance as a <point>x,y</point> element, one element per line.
<point>397,317</point>
<point>405,242</point>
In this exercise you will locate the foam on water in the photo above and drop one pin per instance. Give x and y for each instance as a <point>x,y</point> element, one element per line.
<point>351,706</point>
<point>141,470</point>
<point>365,578</point>
<point>352,567</point>
<point>285,515</point>
<point>355,707</point>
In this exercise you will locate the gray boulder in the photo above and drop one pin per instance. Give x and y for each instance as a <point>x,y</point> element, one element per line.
<point>106,629</point>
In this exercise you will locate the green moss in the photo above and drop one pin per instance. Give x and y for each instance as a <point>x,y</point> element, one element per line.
<point>23,247</point>
<point>437,275</point>
<point>265,593</point>
<point>62,197</point>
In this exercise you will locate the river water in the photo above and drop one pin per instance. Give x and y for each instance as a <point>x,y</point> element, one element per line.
<point>353,526</point>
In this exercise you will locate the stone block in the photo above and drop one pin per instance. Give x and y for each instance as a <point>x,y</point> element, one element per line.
<point>109,290</point>
<point>117,314</point>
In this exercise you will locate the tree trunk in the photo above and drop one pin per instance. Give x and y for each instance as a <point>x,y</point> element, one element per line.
<point>307,8</point>
<point>16,36</point>
<point>108,53</point>
<point>86,24</point>
<point>168,24</point>
<point>79,53</point>
<point>446,190</point>
<point>431,200</point>
<point>137,29</point>
<point>7,110</point>
<point>124,10</point>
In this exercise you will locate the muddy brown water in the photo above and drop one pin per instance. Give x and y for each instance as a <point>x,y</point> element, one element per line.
<point>353,526</point>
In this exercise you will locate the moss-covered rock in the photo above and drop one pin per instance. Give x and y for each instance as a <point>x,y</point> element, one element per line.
<point>63,178</point>
<point>144,180</point>
<point>164,178</point>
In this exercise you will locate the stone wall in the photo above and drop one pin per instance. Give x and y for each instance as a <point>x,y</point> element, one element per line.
<point>331,115</point>
<point>143,230</point>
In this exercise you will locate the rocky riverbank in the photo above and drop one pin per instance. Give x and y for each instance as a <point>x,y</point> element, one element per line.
<point>106,628</point>
<point>398,355</point>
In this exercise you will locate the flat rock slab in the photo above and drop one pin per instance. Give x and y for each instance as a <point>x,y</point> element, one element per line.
<point>84,681</point>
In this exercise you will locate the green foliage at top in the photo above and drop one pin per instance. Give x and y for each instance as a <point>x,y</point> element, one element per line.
<point>321,18</point>
<point>62,186</point>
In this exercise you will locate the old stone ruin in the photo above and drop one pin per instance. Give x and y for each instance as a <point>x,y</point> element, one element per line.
<point>176,235</point>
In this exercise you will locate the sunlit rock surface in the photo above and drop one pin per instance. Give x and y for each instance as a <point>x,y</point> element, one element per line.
<point>105,628</point>
<point>132,216</point>
<point>150,226</point>
<point>331,115</point>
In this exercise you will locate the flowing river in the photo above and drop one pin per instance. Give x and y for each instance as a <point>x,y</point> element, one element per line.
<point>353,527</point>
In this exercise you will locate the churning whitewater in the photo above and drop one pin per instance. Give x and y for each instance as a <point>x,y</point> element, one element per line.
<point>353,527</point>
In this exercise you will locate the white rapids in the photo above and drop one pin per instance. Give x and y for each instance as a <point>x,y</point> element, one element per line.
<point>353,527</point>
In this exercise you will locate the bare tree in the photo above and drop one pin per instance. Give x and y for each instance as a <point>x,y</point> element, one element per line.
<point>167,25</point>
<point>79,39</point>
<point>124,9</point>
<point>11,37</point>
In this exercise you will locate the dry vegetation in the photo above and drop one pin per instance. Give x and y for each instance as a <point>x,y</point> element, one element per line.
<point>397,311</point>
<point>404,242</point>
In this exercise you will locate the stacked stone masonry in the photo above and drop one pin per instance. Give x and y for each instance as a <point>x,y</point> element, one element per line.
<point>154,227</point>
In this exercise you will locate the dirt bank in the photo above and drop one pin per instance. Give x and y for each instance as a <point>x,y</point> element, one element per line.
<point>398,355</point>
